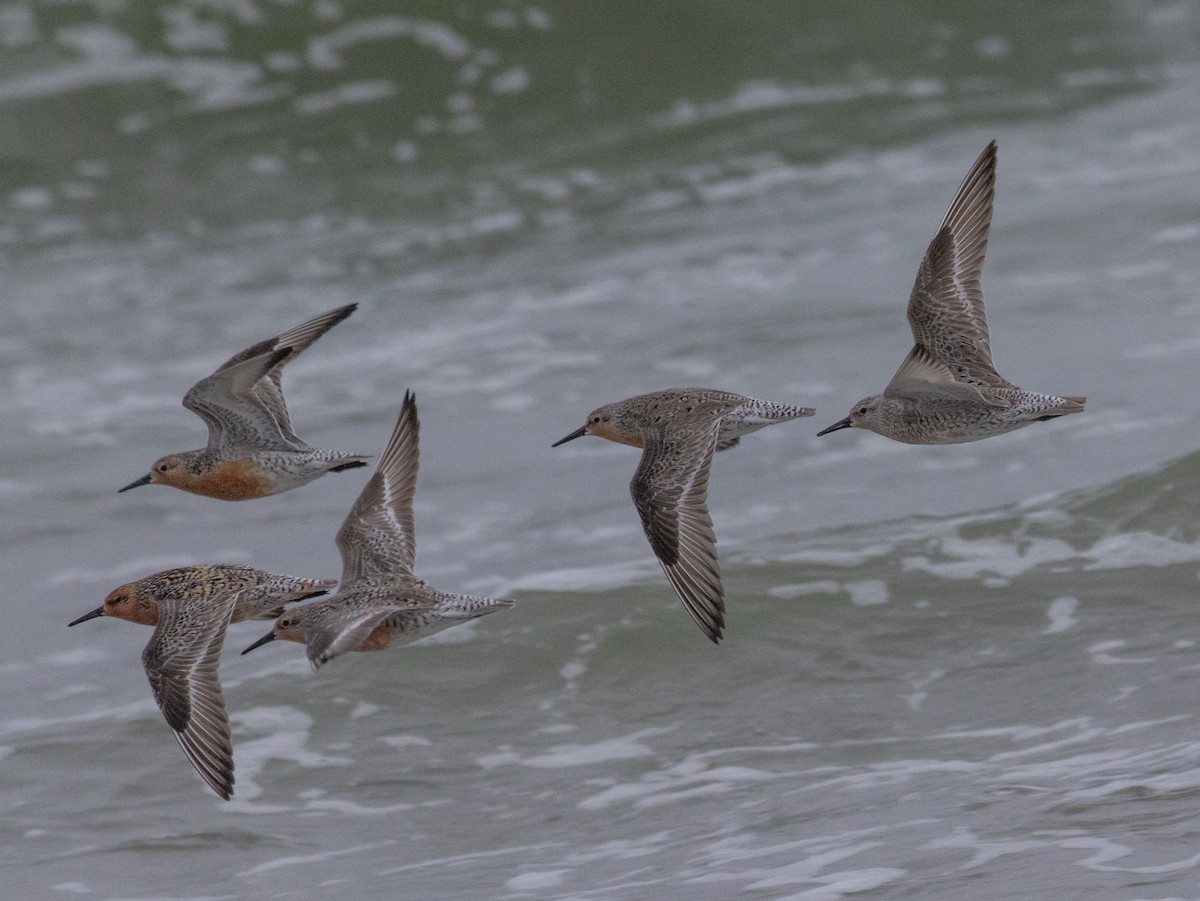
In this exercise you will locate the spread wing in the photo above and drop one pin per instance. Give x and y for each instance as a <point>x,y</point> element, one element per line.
<point>181,663</point>
<point>670,491</point>
<point>945,309</point>
<point>340,628</point>
<point>378,536</point>
<point>235,417</point>
<point>922,377</point>
<point>331,638</point>
<point>242,402</point>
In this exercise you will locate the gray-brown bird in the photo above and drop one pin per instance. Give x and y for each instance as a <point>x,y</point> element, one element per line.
<point>947,390</point>
<point>190,608</point>
<point>679,430</point>
<point>380,601</point>
<point>252,451</point>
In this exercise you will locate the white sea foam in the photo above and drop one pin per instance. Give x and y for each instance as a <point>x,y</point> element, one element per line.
<point>1061,613</point>
<point>405,741</point>
<point>835,556</point>
<point>460,859</point>
<point>763,95</point>
<point>802,589</point>
<point>1128,549</point>
<point>326,51</point>
<point>868,592</point>
<point>363,709</point>
<point>983,850</point>
<point>998,556</point>
<point>1101,652</point>
<point>288,733</point>
<point>1105,850</point>
<point>531,881</point>
<point>351,94</point>
<point>318,857</point>
<point>626,747</point>
<point>690,778</point>
<point>572,670</point>
<point>349,808</point>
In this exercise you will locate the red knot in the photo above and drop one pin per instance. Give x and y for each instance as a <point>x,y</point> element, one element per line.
<point>680,429</point>
<point>252,450</point>
<point>380,601</point>
<point>190,608</point>
<point>947,390</point>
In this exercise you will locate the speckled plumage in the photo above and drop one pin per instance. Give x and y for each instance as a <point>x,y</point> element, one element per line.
<point>680,429</point>
<point>380,602</point>
<point>252,450</point>
<point>947,390</point>
<point>190,608</point>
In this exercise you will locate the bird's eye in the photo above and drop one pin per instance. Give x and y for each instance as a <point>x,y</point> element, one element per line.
<point>862,411</point>
<point>595,419</point>
<point>163,467</point>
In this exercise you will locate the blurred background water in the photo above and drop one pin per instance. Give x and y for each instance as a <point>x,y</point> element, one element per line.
<point>950,672</point>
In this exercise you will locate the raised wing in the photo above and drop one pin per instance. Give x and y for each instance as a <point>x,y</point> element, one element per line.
<point>229,406</point>
<point>946,309</point>
<point>181,663</point>
<point>340,629</point>
<point>927,381</point>
<point>270,390</point>
<point>670,491</point>
<point>378,534</point>
<point>255,410</point>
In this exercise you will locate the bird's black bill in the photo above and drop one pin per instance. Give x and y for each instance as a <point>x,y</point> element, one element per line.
<point>144,480</point>
<point>99,611</point>
<point>578,433</point>
<point>270,636</point>
<point>842,424</point>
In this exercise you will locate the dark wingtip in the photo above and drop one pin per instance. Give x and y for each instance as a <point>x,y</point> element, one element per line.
<point>353,464</point>
<point>343,312</point>
<point>91,614</point>
<point>221,783</point>
<point>840,424</point>
<point>144,480</point>
<point>409,409</point>
<point>578,433</point>
<point>714,631</point>
<point>270,636</point>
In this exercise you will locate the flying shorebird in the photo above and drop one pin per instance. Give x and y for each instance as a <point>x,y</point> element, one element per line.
<point>680,429</point>
<point>252,451</point>
<point>190,608</point>
<point>380,601</point>
<point>947,390</point>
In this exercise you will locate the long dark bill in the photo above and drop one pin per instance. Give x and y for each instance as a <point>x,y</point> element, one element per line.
<point>99,611</point>
<point>841,424</point>
<point>144,480</point>
<point>578,433</point>
<point>270,636</point>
